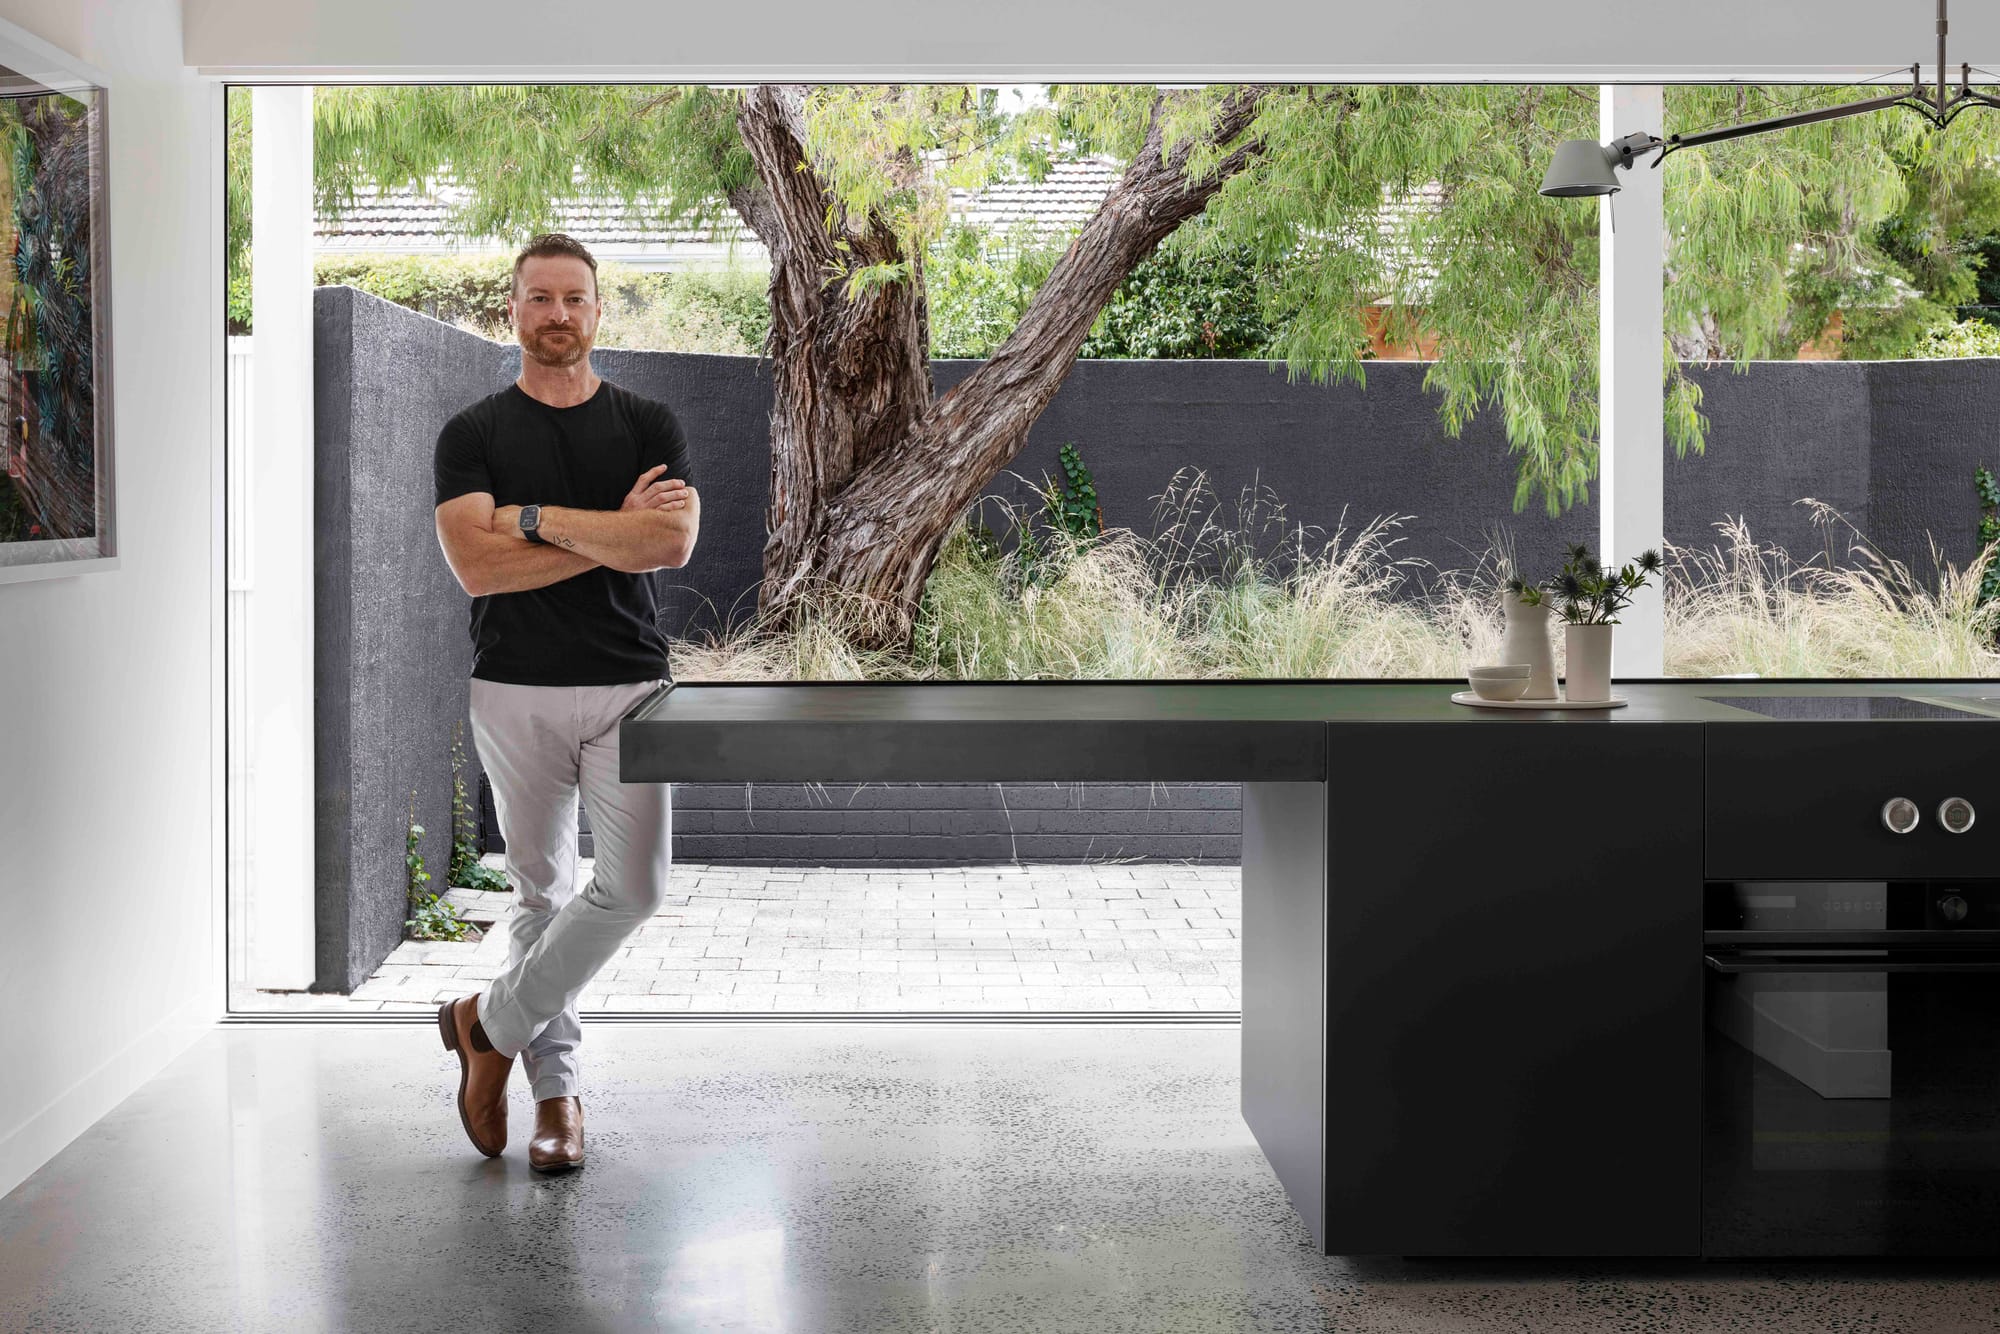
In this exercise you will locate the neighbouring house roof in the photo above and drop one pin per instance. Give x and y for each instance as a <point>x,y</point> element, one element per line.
<point>406,221</point>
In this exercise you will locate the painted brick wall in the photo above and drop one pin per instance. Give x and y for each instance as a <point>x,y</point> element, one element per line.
<point>941,824</point>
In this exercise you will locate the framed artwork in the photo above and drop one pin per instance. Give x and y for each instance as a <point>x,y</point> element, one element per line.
<point>56,494</point>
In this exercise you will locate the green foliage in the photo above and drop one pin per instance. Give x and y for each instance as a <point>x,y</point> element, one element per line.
<point>1769,235</point>
<point>892,153</point>
<point>1962,338</point>
<point>1069,522</point>
<point>431,918</point>
<point>1179,302</point>
<point>722,311</point>
<point>458,289</point>
<point>1176,303</point>
<point>236,209</point>
<point>1519,329</point>
<point>1072,499</point>
<point>1989,531</point>
<point>467,871</point>
<point>977,285</point>
<point>1185,301</point>
<point>700,310</point>
<point>1983,253</point>
<point>668,154</point>
<point>1877,216</point>
<point>1585,593</point>
<point>1504,279</point>
<point>1071,519</point>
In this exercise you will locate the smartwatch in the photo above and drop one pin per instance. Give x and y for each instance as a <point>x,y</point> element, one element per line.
<point>530,522</point>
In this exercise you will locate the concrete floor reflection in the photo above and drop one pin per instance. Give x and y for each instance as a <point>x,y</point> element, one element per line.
<point>817,1178</point>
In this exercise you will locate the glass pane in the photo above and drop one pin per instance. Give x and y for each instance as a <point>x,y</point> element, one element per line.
<point>1835,357</point>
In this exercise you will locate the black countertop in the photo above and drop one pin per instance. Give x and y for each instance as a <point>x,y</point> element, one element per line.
<point>1117,731</point>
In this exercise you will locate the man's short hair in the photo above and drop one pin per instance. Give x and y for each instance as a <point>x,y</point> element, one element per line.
<point>551,244</point>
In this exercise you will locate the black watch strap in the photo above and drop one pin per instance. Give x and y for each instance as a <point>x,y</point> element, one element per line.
<point>532,534</point>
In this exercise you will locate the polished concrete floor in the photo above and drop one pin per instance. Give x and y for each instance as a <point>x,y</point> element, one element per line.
<point>786,1177</point>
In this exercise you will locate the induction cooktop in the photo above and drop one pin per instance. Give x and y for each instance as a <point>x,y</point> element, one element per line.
<point>1857,708</point>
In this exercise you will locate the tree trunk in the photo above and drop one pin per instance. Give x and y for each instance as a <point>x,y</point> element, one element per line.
<point>868,473</point>
<point>850,377</point>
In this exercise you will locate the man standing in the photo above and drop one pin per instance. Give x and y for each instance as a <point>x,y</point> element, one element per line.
<point>542,521</point>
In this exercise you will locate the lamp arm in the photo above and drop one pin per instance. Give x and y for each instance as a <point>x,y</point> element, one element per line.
<point>1840,112</point>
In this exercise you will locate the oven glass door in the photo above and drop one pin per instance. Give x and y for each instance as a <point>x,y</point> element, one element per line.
<point>1851,1103</point>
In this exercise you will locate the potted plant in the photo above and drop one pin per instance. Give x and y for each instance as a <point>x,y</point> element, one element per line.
<point>1588,597</point>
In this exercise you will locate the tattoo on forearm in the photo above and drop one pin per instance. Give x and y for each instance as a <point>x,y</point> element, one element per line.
<point>566,543</point>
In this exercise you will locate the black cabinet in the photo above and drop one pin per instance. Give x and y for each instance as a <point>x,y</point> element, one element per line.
<point>1803,800</point>
<point>1472,940</point>
<point>1486,1038</point>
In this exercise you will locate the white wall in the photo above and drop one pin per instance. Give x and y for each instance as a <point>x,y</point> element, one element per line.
<point>1590,40</point>
<point>109,879</point>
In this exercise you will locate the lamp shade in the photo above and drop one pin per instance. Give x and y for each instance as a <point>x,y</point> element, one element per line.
<point>1580,167</point>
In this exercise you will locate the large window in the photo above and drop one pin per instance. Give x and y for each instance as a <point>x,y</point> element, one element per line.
<point>1057,382</point>
<point>1831,310</point>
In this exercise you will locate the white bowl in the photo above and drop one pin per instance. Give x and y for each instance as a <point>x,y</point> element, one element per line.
<point>1506,682</point>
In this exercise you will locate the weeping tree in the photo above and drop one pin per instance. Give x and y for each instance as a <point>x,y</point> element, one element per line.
<point>846,187</point>
<point>1880,220</point>
<point>1419,203</point>
<point>47,141</point>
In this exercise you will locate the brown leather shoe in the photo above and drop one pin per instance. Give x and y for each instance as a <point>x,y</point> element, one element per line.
<point>558,1142</point>
<point>482,1075</point>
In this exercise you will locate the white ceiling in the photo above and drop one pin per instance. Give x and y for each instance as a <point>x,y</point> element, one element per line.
<point>1168,40</point>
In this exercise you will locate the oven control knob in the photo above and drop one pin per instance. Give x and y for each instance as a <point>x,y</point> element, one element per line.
<point>1899,815</point>
<point>1955,814</point>
<point>1952,908</point>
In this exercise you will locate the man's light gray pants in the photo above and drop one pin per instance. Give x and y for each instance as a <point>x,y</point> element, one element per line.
<point>538,745</point>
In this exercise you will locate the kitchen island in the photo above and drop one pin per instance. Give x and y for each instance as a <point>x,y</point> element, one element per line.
<point>1472,939</point>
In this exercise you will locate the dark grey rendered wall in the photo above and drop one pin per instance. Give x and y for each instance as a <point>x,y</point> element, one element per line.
<point>391,653</point>
<point>1892,444</point>
<point>1930,423</point>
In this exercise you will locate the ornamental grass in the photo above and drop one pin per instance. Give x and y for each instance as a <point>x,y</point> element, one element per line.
<point>1743,608</point>
<point>1242,592</point>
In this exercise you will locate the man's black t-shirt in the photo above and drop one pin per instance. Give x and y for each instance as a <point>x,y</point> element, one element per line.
<point>595,628</point>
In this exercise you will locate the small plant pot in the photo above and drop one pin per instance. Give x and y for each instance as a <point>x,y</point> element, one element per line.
<point>1587,662</point>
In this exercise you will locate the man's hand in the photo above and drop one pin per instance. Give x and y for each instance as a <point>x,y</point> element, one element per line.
<point>669,493</point>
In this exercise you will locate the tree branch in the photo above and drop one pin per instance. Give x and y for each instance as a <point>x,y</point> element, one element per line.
<point>986,417</point>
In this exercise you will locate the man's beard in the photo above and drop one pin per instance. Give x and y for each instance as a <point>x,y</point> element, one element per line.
<point>556,352</point>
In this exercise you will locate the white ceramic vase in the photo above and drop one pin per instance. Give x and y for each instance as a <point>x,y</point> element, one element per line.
<point>1526,639</point>
<point>1587,662</point>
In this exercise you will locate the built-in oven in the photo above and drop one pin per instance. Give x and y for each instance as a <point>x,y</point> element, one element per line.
<point>1851,1069</point>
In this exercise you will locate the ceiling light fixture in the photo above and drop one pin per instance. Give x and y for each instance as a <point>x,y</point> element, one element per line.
<point>1586,167</point>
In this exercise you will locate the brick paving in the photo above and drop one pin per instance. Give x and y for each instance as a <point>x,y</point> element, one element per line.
<point>741,939</point>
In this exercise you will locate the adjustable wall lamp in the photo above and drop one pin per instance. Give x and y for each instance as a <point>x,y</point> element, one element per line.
<point>1586,167</point>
